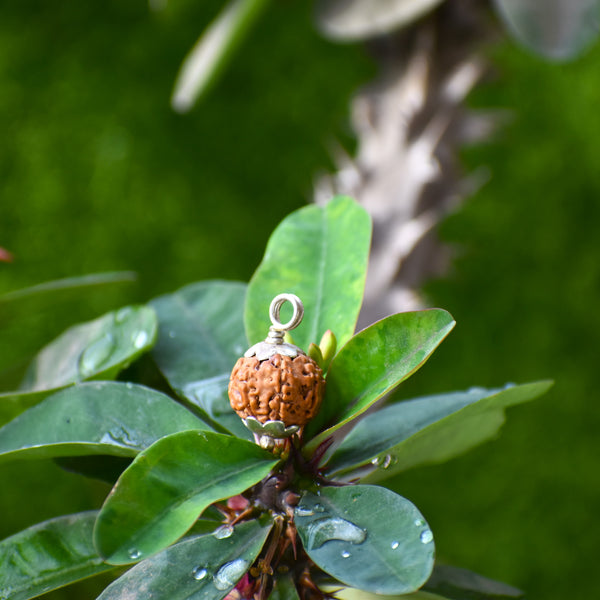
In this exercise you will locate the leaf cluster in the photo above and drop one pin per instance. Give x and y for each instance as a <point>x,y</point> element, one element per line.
<point>198,510</point>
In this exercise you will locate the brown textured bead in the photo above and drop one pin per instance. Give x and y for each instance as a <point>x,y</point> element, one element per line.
<point>280,388</point>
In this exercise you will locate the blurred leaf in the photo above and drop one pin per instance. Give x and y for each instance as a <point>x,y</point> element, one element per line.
<point>95,418</point>
<point>555,29</point>
<point>374,362</point>
<point>428,429</point>
<point>48,556</point>
<point>459,584</point>
<point>70,284</point>
<point>166,488</point>
<point>284,588</point>
<point>97,349</point>
<point>198,567</point>
<point>367,537</point>
<point>349,20</point>
<point>201,335</point>
<point>209,57</point>
<point>319,254</point>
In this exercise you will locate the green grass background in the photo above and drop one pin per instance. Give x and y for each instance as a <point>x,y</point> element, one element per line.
<point>97,173</point>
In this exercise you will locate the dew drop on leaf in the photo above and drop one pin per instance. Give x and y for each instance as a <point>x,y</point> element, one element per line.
<point>223,532</point>
<point>139,339</point>
<point>199,573</point>
<point>333,528</point>
<point>419,522</point>
<point>303,511</point>
<point>319,508</point>
<point>134,553</point>
<point>96,354</point>
<point>229,574</point>
<point>395,545</point>
<point>426,536</point>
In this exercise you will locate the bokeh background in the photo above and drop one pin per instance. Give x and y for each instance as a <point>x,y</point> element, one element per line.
<point>97,173</point>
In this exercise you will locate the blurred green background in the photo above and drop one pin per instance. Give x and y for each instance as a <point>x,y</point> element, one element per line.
<point>97,173</point>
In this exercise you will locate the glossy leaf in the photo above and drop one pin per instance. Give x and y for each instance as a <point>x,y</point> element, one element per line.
<point>374,362</point>
<point>198,567</point>
<point>556,29</point>
<point>201,335</point>
<point>97,349</point>
<point>95,418</point>
<point>367,537</point>
<point>457,584</point>
<point>166,488</point>
<point>362,19</point>
<point>428,430</point>
<point>319,254</point>
<point>213,50</point>
<point>48,556</point>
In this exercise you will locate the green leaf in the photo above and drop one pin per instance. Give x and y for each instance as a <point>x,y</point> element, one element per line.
<point>198,567</point>
<point>48,556</point>
<point>366,537</point>
<point>158,498</point>
<point>97,349</point>
<point>458,584</point>
<point>319,254</point>
<point>284,588</point>
<point>347,593</point>
<point>209,57</point>
<point>14,403</point>
<point>95,418</point>
<point>374,362</point>
<point>69,284</point>
<point>201,336</point>
<point>428,430</point>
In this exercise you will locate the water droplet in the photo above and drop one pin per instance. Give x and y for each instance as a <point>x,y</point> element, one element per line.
<point>96,354</point>
<point>223,532</point>
<point>419,522</point>
<point>383,462</point>
<point>229,574</point>
<point>426,536</point>
<point>199,573</point>
<point>123,314</point>
<point>129,386</point>
<point>303,511</point>
<point>134,553</point>
<point>118,436</point>
<point>140,339</point>
<point>333,528</point>
<point>319,508</point>
<point>172,334</point>
<point>345,554</point>
<point>395,545</point>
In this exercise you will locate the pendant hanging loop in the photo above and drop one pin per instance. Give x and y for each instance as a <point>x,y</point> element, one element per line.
<point>278,329</point>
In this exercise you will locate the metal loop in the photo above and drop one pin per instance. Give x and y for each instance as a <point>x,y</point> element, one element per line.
<point>275,309</point>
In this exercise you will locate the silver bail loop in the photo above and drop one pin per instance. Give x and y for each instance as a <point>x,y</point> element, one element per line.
<point>278,329</point>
